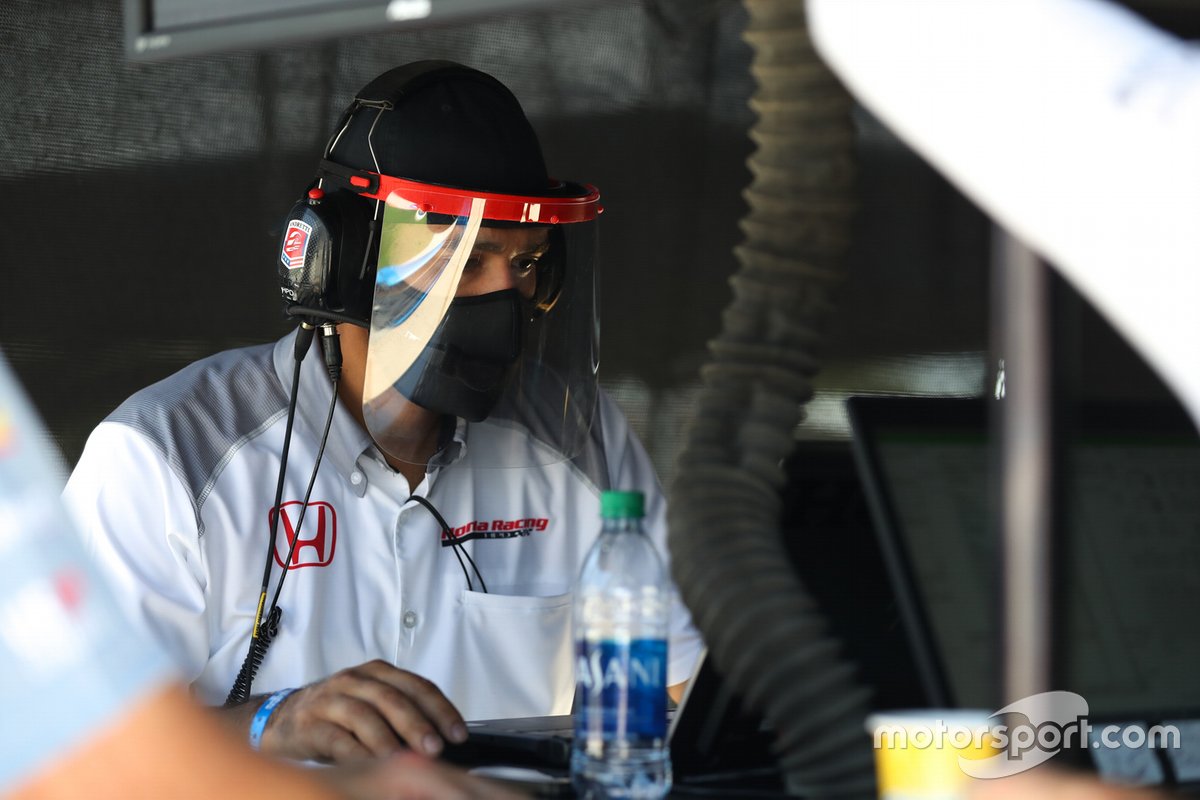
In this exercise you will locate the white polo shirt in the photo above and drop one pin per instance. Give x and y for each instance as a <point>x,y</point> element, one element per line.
<point>174,493</point>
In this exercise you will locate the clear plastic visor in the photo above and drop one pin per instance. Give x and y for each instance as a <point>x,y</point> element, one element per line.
<point>483,337</point>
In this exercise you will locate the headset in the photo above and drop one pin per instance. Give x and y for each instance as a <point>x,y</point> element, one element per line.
<point>326,269</point>
<point>329,246</point>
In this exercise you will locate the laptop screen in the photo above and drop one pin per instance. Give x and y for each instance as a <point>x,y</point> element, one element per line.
<point>1128,573</point>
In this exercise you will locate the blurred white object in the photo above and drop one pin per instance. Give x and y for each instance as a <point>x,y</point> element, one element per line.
<point>1074,123</point>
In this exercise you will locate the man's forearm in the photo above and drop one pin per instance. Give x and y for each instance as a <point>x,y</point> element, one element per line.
<point>237,718</point>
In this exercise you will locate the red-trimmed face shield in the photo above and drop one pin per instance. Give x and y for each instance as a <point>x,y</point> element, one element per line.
<point>485,310</point>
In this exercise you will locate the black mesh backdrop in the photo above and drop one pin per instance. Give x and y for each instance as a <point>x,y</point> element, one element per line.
<point>141,201</point>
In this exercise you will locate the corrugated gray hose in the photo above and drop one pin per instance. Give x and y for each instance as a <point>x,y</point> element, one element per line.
<point>763,630</point>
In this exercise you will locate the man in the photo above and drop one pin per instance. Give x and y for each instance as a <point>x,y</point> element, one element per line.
<point>109,717</point>
<point>430,558</point>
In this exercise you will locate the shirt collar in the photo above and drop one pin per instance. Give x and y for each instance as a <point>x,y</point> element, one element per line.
<point>452,445</point>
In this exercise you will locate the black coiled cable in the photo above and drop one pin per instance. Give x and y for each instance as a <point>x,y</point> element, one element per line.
<point>267,627</point>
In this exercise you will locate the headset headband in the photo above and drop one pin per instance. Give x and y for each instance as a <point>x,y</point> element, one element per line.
<point>581,203</point>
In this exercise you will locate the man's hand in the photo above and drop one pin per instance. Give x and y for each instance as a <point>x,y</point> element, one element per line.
<point>367,711</point>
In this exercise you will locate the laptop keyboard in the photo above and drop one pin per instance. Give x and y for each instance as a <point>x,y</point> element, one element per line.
<point>484,748</point>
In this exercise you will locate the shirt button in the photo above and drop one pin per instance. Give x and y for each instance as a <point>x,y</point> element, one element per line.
<point>356,478</point>
<point>410,619</point>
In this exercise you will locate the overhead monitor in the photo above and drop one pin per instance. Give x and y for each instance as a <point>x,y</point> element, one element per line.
<point>161,29</point>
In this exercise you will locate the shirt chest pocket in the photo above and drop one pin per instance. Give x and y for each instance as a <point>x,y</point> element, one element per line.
<point>519,650</point>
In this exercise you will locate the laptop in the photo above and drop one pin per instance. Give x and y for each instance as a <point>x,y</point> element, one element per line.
<point>712,740</point>
<point>1127,574</point>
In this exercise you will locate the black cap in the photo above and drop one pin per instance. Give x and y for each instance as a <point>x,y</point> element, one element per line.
<point>447,124</point>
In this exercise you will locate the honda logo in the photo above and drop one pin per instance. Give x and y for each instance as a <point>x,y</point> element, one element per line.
<point>315,545</point>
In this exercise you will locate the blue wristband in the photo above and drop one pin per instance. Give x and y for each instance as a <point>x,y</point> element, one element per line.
<point>259,723</point>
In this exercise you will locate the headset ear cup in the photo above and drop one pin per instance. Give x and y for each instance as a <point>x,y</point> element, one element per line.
<point>551,271</point>
<point>306,255</point>
<point>323,263</point>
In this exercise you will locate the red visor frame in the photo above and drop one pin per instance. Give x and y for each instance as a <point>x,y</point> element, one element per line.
<point>431,199</point>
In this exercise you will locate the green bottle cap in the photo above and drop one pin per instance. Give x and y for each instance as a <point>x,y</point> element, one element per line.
<point>616,505</point>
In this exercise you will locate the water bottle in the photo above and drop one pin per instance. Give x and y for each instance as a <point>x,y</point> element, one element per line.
<point>620,617</point>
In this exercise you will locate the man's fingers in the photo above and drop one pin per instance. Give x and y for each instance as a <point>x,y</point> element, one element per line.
<point>375,704</point>
<point>398,712</point>
<point>427,698</point>
<point>338,745</point>
<point>367,722</point>
<point>325,721</point>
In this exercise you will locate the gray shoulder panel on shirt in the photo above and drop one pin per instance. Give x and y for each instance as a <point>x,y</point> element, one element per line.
<point>201,415</point>
<point>592,463</point>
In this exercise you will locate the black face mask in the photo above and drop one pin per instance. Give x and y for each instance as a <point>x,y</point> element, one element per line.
<point>465,367</point>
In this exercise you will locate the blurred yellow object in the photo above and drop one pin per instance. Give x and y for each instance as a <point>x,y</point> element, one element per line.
<point>917,752</point>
